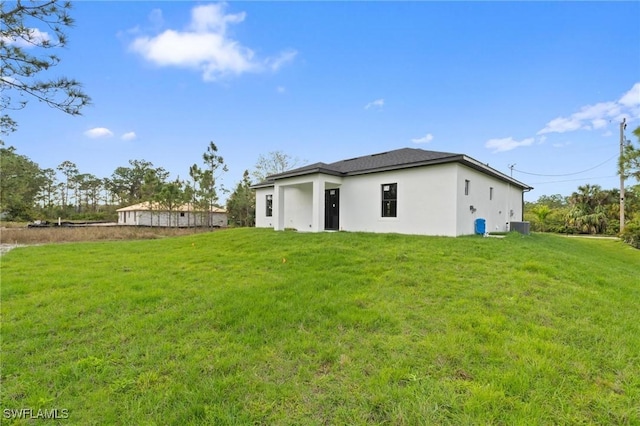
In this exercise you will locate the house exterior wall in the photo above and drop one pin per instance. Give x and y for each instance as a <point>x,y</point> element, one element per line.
<point>497,207</point>
<point>425,203</point>
<point>298,207</point>
<point>170,219</point>
<point>431,200</point>
<point>262,220</point>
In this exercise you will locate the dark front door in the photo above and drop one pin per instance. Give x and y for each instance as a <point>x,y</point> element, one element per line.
<point>332,209</point>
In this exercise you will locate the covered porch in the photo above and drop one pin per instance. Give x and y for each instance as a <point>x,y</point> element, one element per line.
<point>308,203</point>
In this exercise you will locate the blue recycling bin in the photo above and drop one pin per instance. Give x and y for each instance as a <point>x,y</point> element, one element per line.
<point>481,226</point>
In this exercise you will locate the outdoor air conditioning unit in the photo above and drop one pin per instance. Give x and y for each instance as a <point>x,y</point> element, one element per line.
<point>521,227</point>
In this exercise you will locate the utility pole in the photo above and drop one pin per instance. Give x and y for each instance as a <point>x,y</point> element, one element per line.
<point>511,166</point>
<point>623,125</point>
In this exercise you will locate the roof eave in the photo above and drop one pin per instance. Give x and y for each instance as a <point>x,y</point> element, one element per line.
<point>475,164</point>
<point>263,184</point>
<point>313,171</point>
<point>455,158</point>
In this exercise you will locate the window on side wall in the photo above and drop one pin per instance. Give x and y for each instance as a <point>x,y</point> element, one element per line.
<point>467,184</point>
<point>390,200</point>
<point>269,211</point>
<point>491,193</point>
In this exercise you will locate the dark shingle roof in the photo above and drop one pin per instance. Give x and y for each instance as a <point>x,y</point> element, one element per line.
<point>396,159</point>
<point>391,160</point>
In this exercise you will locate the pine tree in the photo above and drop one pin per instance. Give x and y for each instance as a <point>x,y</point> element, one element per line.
<point>34,26</point>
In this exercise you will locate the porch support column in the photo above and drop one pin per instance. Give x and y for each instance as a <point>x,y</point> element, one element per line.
<point>278,208</point>
<point>317,212</point>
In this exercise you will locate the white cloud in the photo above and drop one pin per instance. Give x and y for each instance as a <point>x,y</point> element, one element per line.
<point>33,37</point>
<point>378,103</point>
<point>210,53</point>
<point>598,123</point>
<point>425,139</point>
<point>212,18</point>
<point>599,115</point>
<point>589,117</point>
<point>206,46</point>
<point>632,97</point>
<point>9,80</point>
<point>280,89</point>
<point>507,144</point>
<point>597,111</point>
<point>98,132</point>
<point>129,136</point>
<point>561,125</point>
<point>282,59</point>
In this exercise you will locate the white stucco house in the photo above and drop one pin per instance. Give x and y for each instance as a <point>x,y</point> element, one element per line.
<point>407,191</point>
<point>186,215</point>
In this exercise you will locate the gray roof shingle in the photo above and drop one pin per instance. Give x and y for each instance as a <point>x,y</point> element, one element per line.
<point>398,157</point>
<point>390,160</point>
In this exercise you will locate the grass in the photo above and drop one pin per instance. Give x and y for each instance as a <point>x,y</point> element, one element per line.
<point>251,326</point>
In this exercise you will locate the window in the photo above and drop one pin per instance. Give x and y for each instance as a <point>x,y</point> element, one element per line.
<point>491,193</point>
<point>181,214</point>
<point>269,211</point>
<point>390,200</point>
<point>466,186</point>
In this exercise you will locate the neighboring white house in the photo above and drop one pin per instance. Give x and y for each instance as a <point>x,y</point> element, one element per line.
<point>407,191</point>
<point>154,214</point>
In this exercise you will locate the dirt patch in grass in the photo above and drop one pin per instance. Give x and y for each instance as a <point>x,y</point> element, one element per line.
<point>4,248</point>
<point>11,237</point>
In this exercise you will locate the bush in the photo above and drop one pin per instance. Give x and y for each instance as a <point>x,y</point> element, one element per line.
<point>631,233</point>
<point>554,222</point>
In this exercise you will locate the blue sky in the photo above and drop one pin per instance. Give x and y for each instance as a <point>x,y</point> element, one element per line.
<point>542,85</point>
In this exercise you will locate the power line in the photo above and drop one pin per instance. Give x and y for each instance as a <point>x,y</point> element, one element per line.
<point>566,174</point>
<point>573,180</point>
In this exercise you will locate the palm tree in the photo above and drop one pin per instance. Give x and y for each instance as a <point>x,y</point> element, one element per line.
<point>541,212</point>
<point>588,209</point>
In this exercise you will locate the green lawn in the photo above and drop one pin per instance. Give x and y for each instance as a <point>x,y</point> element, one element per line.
<point>250,326</point>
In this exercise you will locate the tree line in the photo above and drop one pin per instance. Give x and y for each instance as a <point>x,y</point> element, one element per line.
<point>588,210</point>
<point>29,192</point>
<point>591,209</point>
